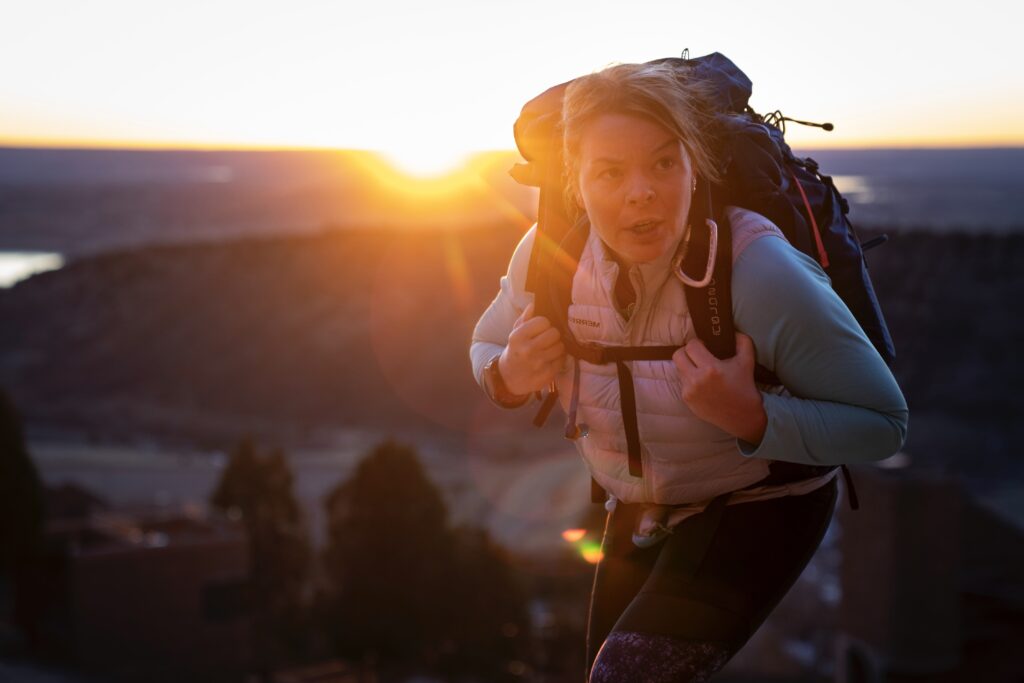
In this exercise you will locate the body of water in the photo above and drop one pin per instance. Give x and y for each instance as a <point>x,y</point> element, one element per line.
<point>18,265</point>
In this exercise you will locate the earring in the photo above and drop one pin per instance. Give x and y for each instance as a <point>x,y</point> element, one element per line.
<point>693,187</point>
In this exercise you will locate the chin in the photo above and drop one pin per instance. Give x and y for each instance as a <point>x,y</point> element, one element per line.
<point>644,254</point>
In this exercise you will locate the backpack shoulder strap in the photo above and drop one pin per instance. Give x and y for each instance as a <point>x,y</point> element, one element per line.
<point>710,306</point>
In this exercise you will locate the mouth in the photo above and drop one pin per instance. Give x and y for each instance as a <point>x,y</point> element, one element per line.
<point>644,227</point>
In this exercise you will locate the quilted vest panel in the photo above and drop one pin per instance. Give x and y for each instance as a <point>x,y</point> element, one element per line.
<point>685,459</point>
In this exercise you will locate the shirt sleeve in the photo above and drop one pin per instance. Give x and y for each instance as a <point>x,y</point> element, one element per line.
<point>492,330</point>
<point>844,405</point>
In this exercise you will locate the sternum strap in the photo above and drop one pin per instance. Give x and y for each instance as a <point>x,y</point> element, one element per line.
<point>627,396</point>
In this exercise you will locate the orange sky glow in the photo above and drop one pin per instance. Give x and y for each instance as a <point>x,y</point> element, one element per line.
<point>428,85</point>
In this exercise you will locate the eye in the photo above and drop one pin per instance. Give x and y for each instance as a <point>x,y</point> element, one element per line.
<point>610,173</point>
<point>666,163</point>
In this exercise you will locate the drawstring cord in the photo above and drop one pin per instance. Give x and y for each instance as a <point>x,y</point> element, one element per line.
<point>575,431</point>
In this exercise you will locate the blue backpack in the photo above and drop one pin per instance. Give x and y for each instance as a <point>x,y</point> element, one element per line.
<point>761,174</point>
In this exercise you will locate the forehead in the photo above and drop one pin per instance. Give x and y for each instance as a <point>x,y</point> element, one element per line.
<point>624,136</point>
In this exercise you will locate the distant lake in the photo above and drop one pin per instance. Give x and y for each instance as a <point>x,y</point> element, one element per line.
<point>18,265</point>
<point>930,189</point>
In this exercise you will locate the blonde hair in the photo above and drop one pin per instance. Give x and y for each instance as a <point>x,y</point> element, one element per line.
<point>658,92</point>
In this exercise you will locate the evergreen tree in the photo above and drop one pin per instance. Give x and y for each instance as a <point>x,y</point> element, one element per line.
<point>403,587</point>
<point>389,552</point>
<point>21,493</point>
<point>258,489</point>
<point>489,625</point>
<point>21,521</point>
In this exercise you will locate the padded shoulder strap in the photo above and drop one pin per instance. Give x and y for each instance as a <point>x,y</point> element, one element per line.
<point>711,306</point>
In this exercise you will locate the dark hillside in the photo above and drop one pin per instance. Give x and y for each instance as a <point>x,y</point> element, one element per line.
<point>950,301</point>
<point>370,329</point>
<point>353,328</point>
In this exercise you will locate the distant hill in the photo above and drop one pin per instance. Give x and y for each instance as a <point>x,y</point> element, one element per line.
<point>294,332</point>
<point>87,201</point>
<point>370,328</point>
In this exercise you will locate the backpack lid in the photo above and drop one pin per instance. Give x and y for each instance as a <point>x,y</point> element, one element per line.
<point>730,86</point>
<point>537,138</point>
<point>536,129</point>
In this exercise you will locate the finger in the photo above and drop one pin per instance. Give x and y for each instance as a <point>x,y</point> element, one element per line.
<point>699,354</point>
<point>534,327</point>
<point>556,364</point>
<point>548,337</point>
<point>682,361</point>
<point>551,353</point>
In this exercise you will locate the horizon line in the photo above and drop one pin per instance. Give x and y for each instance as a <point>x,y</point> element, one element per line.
<point>117,146</point>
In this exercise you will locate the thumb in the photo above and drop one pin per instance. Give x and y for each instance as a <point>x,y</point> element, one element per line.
<point>744,346</point>
<point>524,316</point>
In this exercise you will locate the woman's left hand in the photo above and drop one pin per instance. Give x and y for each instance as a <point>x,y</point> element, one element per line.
<point>723,392</point>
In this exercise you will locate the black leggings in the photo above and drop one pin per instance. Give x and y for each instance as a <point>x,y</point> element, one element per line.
<point>700,594</point>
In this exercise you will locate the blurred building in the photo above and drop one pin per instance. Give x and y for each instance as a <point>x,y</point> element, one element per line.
<point>932,582</point>
<point>146,595</point>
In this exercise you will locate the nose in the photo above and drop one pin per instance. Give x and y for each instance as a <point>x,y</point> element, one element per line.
<point>640,190</point>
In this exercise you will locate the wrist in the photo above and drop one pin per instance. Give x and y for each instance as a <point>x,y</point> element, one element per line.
<point>755,425</point>
<point>497,390</point>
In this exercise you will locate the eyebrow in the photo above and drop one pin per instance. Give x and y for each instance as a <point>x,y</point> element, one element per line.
<point>613,160</point>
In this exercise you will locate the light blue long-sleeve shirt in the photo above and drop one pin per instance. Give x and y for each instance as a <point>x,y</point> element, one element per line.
<point>845,405</point>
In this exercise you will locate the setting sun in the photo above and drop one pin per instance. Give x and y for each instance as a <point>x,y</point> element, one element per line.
<point>425,161</point>
<point>423,176</point>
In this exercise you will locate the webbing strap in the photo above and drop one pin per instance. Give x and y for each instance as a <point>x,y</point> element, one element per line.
<point>851,490</point>
<point>627,396</point>
<point>822,254</point>
<point>545,407</point>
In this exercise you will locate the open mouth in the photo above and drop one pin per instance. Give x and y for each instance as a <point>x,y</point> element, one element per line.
<point>644,227</point>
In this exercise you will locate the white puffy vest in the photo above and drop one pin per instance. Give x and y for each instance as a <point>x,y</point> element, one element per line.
<point>684,458</point>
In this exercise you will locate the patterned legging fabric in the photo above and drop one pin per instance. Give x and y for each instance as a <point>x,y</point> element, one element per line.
<point>678,611</point>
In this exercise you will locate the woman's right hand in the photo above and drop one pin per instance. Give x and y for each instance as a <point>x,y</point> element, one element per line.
<point>534,354</point>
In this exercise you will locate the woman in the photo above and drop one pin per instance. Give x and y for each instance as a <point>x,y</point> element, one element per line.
<point>700,543</point>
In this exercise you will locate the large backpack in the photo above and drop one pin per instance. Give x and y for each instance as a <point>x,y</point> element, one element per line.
<point>761,174</point>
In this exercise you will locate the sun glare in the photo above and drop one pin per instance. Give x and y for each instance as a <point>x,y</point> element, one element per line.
<point>426,163</point>
<point>454,176</point>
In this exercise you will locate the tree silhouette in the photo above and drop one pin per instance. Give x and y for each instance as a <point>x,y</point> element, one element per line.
<point>21,519</point>
<point>21,494</point>
<point>402,587</point>
<point>388,554</point>
<point>489,625</point>
<point>258,490</point>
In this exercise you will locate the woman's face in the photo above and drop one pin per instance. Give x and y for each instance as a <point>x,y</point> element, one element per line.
<point>635,182</point>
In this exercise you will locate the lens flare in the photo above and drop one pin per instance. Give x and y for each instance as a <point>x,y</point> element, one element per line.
<point>574,535</point>
<point>591,552</point>
<point>458,272</point>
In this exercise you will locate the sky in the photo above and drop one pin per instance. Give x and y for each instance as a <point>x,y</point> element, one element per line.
<point>428,82</point>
